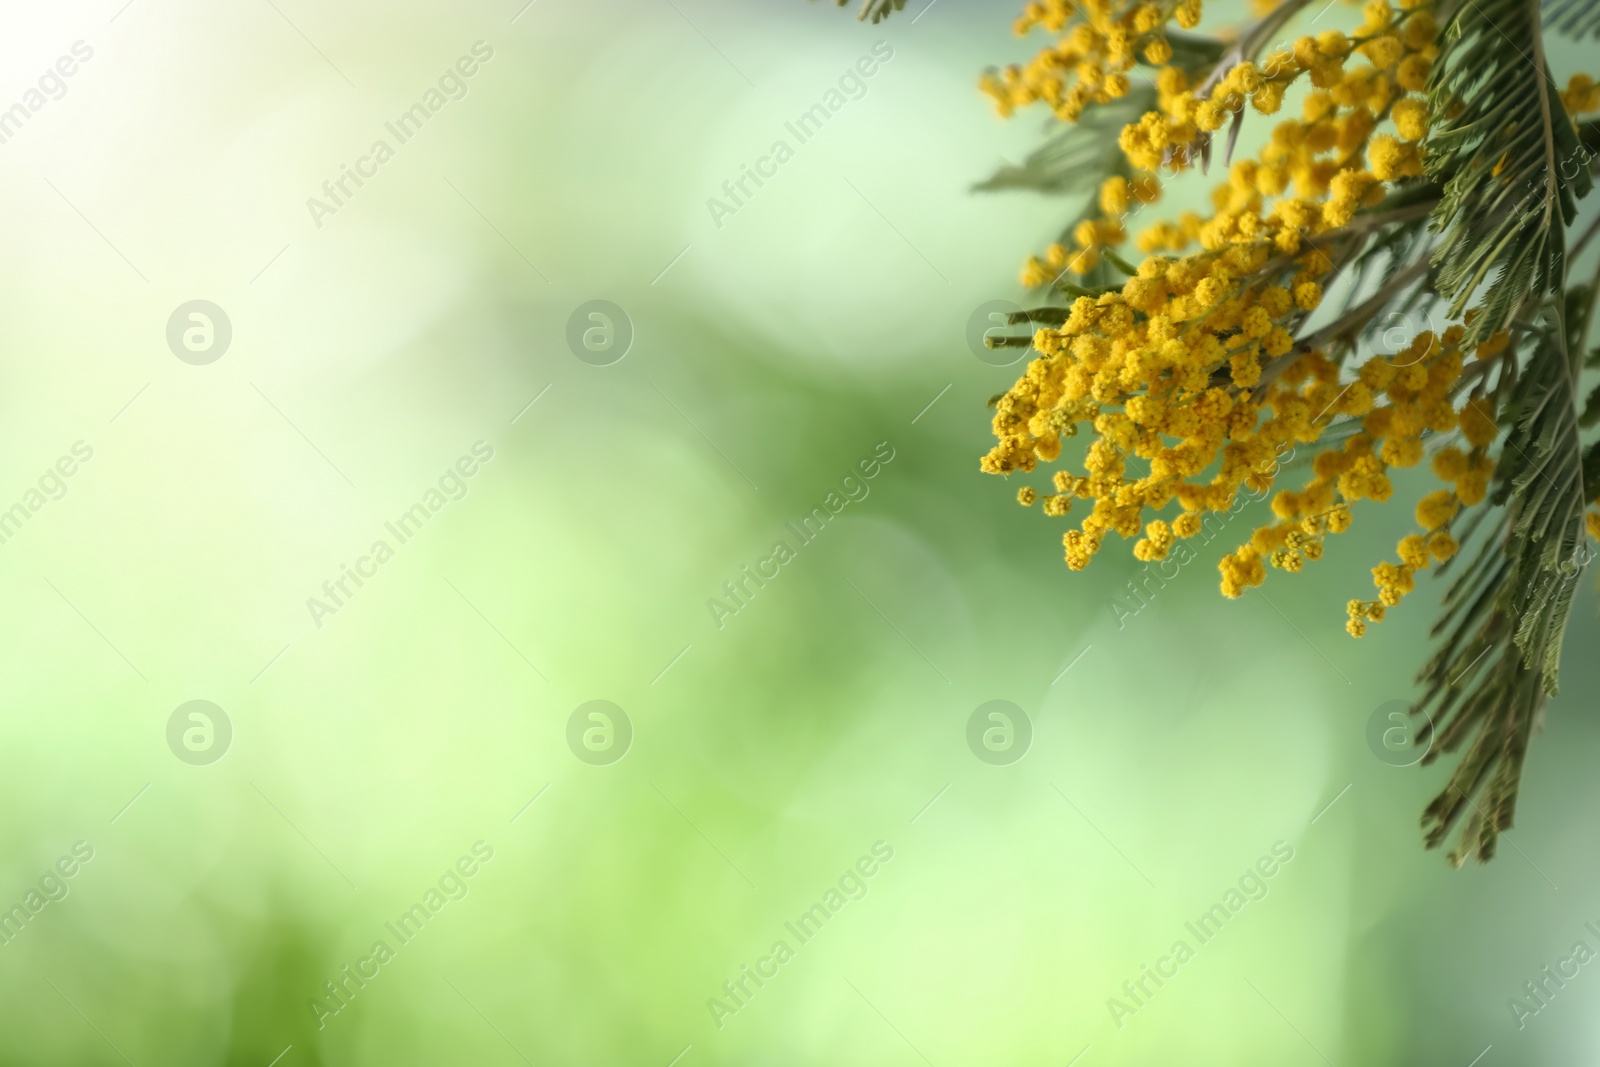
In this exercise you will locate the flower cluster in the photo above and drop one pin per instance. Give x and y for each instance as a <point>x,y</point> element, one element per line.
<point>1334,154</point>
<point>1189,374</point>
<point>1582,95</point>
<point>1099,43</point>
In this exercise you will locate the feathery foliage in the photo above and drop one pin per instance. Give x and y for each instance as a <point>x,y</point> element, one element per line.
<point>1501,633</point>
<point>1078,157</point>
<point>1574,18</point>
<point>1435,173</point>
<point>1508,158</point>
<point>876,10</point>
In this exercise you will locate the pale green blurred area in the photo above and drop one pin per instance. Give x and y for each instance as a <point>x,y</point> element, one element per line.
<point>769,754</point>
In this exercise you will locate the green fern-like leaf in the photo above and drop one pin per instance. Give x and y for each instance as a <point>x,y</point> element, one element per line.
<point>876,10</point>
<point>1508,159</point>
<point>1575,18</point>
<point>1500,636</point>
<point>1078,156</point>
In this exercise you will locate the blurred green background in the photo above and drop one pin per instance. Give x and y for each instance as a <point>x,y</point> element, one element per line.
<point>430,712</point>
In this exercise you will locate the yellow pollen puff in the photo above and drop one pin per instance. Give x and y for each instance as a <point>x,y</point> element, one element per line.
<point>1391,160</point>
<point>1412,73</point>
<point>1376,15</point>
<point>1477,422</point>
<point>1275,300</point>
<point>1402,451</point>
<point>1419,30</point>
<point>1449,464</point>
<point>1114,196</point>
<point>1436,509</point>
<point>1411,118</point>
<point>1582,95</point>
<point>1307,295</point>
<point>1384,51</point>
<point>1495,345</point>
<point>1146,17</point>
<point>1413,551</point>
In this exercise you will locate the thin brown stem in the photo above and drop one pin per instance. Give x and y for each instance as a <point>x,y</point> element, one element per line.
<point>1359,226</point>
<point>1584,239</point>
<point>1343,328</point>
